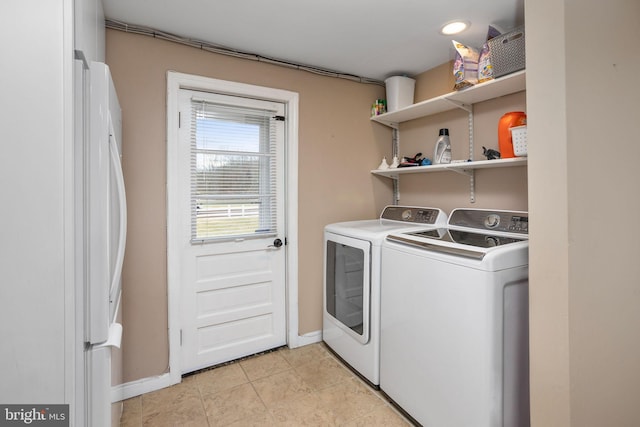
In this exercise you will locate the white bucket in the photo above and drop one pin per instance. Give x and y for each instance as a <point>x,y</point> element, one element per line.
<point>399,92</point>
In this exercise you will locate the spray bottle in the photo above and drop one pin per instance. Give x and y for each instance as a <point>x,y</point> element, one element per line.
<point>442,150</point>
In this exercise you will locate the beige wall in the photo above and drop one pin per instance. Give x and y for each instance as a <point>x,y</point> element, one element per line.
<point>584,198</point>
<point>548,252</point>
<point>584,272</point>
<point>338,146</point>
<point>503,188</point>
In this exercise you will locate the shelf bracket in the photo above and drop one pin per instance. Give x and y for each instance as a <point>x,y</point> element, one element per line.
<point>395,152</point>
<point>472,187</point>
<point>471,173</point>
<point>472,176</point>
<point>396,190</point>
<point>395,143</point>
<point>466,107</point>
<point>467,172</point>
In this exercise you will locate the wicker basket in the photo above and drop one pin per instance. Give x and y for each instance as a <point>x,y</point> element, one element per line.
<point>507,52</point>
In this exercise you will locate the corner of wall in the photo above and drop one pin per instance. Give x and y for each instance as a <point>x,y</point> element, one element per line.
<point>434,82</point>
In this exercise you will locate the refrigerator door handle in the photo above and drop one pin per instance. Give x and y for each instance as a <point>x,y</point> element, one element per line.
<point>122,203</point>
<point>115,337</point>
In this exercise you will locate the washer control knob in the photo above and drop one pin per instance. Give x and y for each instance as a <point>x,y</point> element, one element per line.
<point>492,241</point>
<point>492,221</point>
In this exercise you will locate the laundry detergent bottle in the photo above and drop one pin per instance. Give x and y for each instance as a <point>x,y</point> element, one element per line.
<point>508,121</point>
<point>442,150</point>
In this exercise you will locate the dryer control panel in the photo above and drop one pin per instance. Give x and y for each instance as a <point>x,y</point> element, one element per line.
<point>415,215</point>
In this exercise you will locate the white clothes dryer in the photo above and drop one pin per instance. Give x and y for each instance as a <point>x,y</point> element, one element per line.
<point>454,321</point>
<point>351,303</point>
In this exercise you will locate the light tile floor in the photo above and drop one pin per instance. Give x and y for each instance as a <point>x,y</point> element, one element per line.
<point>303,386</point>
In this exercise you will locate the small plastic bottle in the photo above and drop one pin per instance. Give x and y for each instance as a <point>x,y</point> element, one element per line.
<point>383,164</point>
<point>442,150</point>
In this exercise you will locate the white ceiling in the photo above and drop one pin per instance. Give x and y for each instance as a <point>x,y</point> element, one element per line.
<point>367,38</point>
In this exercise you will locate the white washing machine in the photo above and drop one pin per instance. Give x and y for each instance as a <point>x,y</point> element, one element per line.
<point>351,309</point>
<point>454,321</point>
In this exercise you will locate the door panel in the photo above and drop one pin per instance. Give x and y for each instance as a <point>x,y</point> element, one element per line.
<point>348,284</point>
<point>232,286</point>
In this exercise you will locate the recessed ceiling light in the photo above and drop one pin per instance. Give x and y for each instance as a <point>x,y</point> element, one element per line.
<point>454,27</point>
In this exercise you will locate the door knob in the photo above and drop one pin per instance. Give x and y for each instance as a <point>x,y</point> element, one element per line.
<point>276,244</point>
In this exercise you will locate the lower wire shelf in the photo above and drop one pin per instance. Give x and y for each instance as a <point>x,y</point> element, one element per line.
<point>460,167</point>
<point>464,168</point>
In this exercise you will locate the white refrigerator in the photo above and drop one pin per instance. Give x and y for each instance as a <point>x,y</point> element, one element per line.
<point>50,337</point>
<point>105,233</point>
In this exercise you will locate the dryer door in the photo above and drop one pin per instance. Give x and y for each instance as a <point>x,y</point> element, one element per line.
<point>348,284</point>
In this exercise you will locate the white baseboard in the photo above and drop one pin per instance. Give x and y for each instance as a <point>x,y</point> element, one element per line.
<point>138,387</point>
<point>147,385</point>
<point>306,339</point>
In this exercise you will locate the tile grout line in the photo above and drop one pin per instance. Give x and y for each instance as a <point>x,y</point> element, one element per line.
<point>204,408</point>
<point>293,363</point>
<point>256,392</point>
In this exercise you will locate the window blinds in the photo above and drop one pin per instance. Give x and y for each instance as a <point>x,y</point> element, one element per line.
<point>233,172</point>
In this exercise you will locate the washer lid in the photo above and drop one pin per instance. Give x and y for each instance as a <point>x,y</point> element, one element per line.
<point>487,258</point>
<point>480,240</point>
<point>477,234</point>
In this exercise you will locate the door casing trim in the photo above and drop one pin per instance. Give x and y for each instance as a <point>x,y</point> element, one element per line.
<point>175,82</point>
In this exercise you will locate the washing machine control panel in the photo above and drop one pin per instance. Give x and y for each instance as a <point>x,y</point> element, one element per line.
<point>488,220</point>
<point>412,214</point>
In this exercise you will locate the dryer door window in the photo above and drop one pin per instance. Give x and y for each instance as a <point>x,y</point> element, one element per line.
<point>347,286</point>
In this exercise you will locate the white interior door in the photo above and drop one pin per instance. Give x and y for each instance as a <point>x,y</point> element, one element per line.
<point>230,217</point>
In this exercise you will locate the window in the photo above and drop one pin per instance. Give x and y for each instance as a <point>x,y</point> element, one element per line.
<point>233,171</point>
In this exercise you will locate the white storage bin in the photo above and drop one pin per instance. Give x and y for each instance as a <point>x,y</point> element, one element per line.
<point>400,91</point>
<point>519,140</point>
